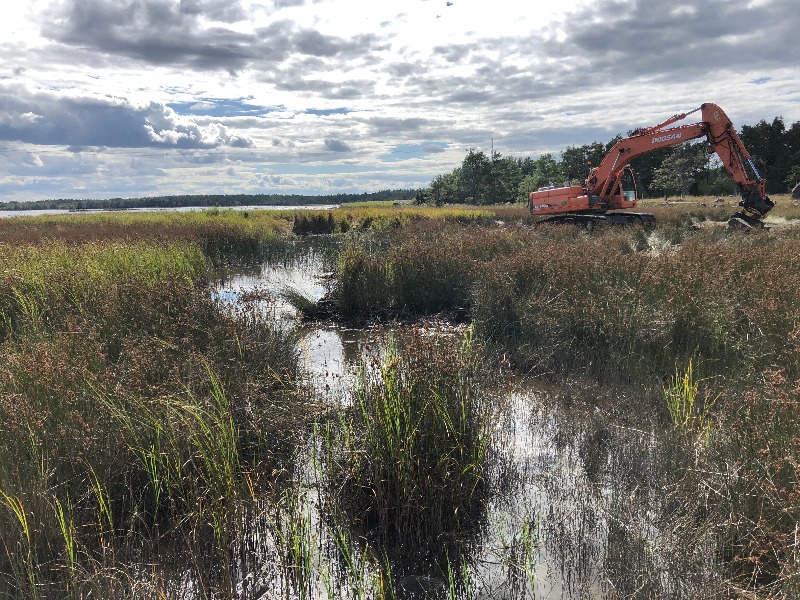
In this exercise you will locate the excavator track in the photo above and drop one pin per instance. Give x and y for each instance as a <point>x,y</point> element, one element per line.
<point>592,221</point>
<point>745,222</point>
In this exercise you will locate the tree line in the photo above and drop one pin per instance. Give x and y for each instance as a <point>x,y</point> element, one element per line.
<point>688,168</point>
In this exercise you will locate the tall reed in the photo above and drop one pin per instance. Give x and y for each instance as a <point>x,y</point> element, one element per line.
<point>411,459</point>
<point>689,410</point>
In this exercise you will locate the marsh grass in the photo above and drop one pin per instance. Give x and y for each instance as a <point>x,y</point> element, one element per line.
<point>619,310</point>
<point>139,416</point>
<point>313,223</point>
<point>409,463</point>
<point>363,287</point>
<point>759,493</point>
<point>46,284</point>
<point>224,236</point>
<point>612,306</point>
<point>144,424</point>
<point>360,218</point>
<point>689,410</point>
<point>426,268</point>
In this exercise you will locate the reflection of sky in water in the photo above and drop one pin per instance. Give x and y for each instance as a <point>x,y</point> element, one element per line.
<point>323,354</point>
<point>334,355</point>
<point>592,537</point>
<point>301,275</point>
<point>330,354</point>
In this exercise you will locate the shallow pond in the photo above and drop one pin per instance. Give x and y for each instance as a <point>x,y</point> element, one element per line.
<point>580,509</point>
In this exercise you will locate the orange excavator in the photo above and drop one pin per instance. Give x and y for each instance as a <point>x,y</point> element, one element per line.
<point>588,205</point>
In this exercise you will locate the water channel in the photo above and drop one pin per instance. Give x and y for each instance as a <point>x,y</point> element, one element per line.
<point>581,511</point>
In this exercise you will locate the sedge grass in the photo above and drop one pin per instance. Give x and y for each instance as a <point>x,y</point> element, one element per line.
<point>412,458</point>
<point>136,411</point>
<point>551,300</point>
<point>689,410</point>
<point>609,310</point>
<point>605,305</point>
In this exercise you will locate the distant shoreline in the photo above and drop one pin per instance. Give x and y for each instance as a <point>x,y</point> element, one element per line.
<point>60,211</point>
<point>205,201</point>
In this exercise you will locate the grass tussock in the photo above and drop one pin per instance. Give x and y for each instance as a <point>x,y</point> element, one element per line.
<point>428,267</point>
<point>409,462</point>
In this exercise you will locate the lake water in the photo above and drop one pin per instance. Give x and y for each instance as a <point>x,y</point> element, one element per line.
<point>33,213</point>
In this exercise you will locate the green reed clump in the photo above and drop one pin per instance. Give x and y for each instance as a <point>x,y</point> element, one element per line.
<point>313,222</point>
<point>425,268</point>
<point>689,410</point>
<point>362,287</point>
<point>429,271</point>
<point>411,459</point>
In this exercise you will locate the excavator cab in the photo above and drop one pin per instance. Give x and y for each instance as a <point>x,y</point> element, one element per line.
<point>630,192</point>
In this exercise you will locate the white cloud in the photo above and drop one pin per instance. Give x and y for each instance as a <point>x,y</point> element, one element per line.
<point>33,159</point>
<point>343,82</point>
<point>272,180</point>
<point>29,118</point>
<point>165,126</point>
<point>201,106</point>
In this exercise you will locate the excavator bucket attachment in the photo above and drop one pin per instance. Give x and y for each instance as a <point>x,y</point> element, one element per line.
<point>743,222</point>
<point>754,207</point>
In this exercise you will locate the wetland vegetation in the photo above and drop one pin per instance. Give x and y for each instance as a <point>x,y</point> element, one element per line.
<point>545,413</point>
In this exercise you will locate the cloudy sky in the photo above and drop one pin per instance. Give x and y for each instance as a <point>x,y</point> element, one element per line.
<point>123,98</point>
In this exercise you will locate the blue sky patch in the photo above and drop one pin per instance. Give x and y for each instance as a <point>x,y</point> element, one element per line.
<point>760,80</point>
<point>221,108</point>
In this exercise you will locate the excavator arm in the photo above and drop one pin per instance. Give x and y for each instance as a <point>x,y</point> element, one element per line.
<point>603,191</point>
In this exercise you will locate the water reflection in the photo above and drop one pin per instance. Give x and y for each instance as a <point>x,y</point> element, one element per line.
<point>580,509</point>
<point>330,354</point>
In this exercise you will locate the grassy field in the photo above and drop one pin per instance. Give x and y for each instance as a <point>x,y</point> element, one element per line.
<point>145,423</point>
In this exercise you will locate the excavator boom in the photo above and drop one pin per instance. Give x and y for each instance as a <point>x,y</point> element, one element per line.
<point>603,189</point>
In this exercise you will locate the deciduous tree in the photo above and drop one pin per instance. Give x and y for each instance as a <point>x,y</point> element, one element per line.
<point>680,169</point>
